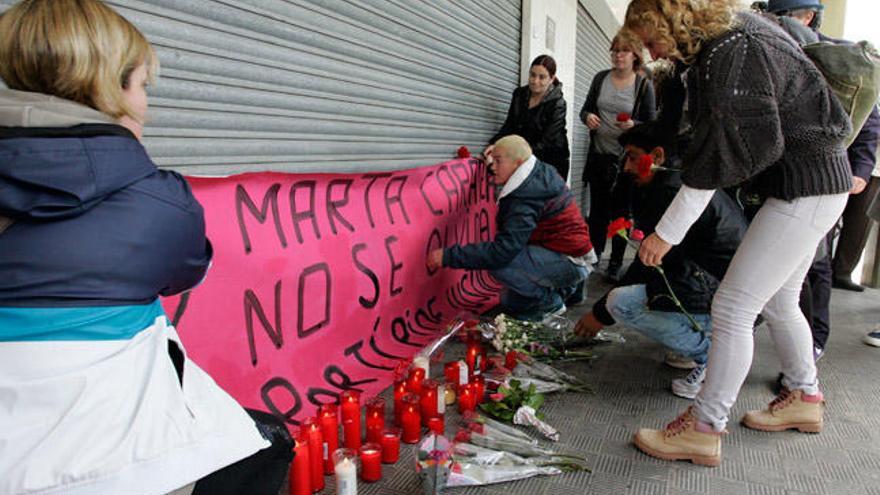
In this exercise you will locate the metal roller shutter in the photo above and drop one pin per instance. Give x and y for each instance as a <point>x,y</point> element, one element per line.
<point>325,85</point>
<point>592,56</point>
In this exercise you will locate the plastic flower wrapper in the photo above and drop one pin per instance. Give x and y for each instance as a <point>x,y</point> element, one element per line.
<point>476,466</point>
<point>433,348</point>
<point>434,463</point>
<point>548,339</point>
<point>480,455</point>
<point>537,369</point>
<point>491,439</point>
<point>526,415</point>
<point>484,425</point>
<point>530,371</point>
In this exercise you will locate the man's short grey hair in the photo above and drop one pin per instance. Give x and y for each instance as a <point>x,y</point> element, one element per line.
<point>514,147</point>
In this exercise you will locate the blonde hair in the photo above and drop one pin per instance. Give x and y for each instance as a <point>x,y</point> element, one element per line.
<point>627,40</point>
<point>682,25</point>
<point>79,50</point>
<point>514,147</point>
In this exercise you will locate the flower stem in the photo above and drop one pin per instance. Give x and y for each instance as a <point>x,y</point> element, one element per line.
<point>696,326</point>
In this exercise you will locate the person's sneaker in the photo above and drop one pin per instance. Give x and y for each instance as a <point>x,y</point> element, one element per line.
<point>846,284</point>
<point>556,312</point>
<point>872,338</point>
<point>818,352</point>
<point>677,361</point>
<point>791,409</point>
<point>612,273</point>
<point>689,386</point>
<point>683,439</point>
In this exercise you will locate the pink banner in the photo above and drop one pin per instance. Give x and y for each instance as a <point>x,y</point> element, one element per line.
<point>319,282</point>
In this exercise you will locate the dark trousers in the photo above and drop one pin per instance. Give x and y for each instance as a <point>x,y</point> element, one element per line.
<point>854,233</point>
<point>606,201</point>
<point>260,474</point>
<point>816,295</point>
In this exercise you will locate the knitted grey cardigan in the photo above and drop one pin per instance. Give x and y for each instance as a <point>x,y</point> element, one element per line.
<point>762,113</point>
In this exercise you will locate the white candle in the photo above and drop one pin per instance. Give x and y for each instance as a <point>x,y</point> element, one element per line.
<point>422,362</point>
<point>346,478</point>
<point>441,399</point>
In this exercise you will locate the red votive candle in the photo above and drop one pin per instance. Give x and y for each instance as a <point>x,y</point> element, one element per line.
<point>510,360</point>
<point>375,419</point>
<point>328,416</point>
<point>414,381</point>
<point>399,392</point>
<point>428,400</point>
<point>456,373</point>
<point>390,445</point>
<point>436,425</point>
<point>371,462</point>
<point>411,419</point>
<point>466,398</point>
<point>478,383</point>
<point>351,419</point>
<point>300,479</point>
<point>312,429</point>
<point>475,356</point>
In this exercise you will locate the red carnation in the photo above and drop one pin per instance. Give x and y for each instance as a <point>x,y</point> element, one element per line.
<point>463,152</point>
<point>623,117</point>
<point>463,436</point>
<point>646,163</point>
<point>618,225</point>
<point>637,235</point>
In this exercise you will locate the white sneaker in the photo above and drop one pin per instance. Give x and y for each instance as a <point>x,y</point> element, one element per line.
<point>872,338</point>
<point>677,361</point>
<point>689,386</point>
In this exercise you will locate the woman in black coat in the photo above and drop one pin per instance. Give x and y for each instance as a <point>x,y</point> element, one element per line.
<point>537,113</point>
<point>618,99</point>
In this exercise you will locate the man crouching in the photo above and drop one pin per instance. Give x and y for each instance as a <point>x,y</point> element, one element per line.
<point>542,251</point>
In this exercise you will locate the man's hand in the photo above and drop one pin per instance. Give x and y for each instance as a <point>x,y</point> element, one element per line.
<point>588,326</point>
<point>592,121</point>
<point>487,154</point>
<point>435,259</point>
<point>858,186</point>
<point>653,249</point>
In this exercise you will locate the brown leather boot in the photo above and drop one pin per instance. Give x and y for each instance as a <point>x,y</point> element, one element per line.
<point>682,439</point>
<point>791,409</point>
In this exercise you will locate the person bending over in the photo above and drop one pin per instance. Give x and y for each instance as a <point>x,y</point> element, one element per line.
<point>542,248</point>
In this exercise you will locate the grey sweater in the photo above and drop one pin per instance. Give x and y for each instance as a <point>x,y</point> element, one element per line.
<point>763,113</point>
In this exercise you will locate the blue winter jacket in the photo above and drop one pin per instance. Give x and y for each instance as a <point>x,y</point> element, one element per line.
<point>95,222</point>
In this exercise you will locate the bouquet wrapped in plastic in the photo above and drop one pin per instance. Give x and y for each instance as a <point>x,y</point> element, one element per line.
<point>486,452</point>
<point>551,339</point>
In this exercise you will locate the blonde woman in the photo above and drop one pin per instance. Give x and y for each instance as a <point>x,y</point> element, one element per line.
<point>96,392</point>
<point>762,114</point>
<point>618,99</point>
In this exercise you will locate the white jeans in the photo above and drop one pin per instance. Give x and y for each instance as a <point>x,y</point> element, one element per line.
<point>766,274</point>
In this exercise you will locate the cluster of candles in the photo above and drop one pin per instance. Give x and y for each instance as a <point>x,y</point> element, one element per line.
<point>419,402</point>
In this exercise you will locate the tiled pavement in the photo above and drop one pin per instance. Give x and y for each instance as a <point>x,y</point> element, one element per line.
<point>631,389</point>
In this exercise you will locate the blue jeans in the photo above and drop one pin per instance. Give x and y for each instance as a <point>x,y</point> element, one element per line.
<point>537,281</point>
<point>629,306</point>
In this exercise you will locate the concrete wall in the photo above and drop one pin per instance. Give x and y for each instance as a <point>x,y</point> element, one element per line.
<point>834,16</point>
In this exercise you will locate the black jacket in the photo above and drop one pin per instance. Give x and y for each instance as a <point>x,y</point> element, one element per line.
<point>542,126</point>
<point>694,267</point>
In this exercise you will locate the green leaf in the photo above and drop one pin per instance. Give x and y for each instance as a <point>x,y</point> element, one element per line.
<point>535,401</point>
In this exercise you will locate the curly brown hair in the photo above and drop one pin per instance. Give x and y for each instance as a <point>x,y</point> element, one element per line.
<point>682,25</point>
